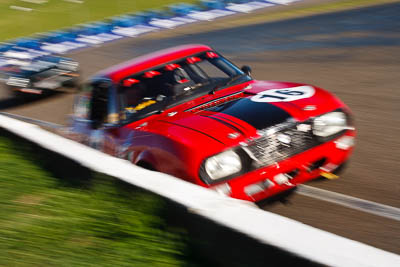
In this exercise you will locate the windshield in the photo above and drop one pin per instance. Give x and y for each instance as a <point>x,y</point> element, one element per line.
<point>175,83</point>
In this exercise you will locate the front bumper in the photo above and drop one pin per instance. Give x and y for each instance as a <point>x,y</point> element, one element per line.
<point>286,174</point>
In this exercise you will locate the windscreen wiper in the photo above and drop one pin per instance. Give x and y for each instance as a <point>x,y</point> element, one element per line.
<point>229,82</point>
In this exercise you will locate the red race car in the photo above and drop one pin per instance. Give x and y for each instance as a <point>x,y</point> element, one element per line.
<point>189,112</point>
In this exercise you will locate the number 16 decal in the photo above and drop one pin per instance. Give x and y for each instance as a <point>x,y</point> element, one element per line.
<point>284,94</point>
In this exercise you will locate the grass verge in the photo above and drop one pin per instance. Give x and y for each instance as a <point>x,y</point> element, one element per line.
<point>49,217</point>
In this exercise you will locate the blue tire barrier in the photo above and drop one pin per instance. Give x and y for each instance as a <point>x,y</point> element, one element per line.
<point>69,35</point>
<point>64,36</point>
<point>125,21</point>
<point>160,13</point>
<point>89,29</point>
<point>4,47</point>
<point>102,27</point>
<point>52,37</point>
<point>146,16</point>
<point>182,9</point>
<point>212,4</point>
<point>28,43</point>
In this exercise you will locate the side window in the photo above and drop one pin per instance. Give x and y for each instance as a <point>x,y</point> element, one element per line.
<point>131,95</point>
<point>99,103</point>
<point>82,106</point>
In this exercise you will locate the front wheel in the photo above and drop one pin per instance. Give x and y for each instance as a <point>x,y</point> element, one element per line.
<point>24,93</point>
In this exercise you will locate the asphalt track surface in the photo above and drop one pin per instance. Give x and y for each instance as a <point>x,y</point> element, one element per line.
<point>354,54</point>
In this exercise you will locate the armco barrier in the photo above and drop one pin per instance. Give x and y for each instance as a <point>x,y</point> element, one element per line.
<point>274,231</point>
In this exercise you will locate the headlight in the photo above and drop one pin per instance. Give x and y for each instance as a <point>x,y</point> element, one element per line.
<point>19,82</point>
<point>330,123</point>
<point>223,165</point>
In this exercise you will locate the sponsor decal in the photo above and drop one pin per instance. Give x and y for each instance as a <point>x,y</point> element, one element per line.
<point>284,94</point>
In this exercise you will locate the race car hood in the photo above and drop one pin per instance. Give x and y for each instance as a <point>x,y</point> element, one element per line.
<point>301,101</point>
<point>26,68</point>
<point>215,128</point>
<point>259,106</point>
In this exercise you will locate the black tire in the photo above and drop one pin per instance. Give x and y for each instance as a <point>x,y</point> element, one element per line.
<point>146,165</point>
<point>18,94</point>
<point>339,170</point>
<point>72,85</point>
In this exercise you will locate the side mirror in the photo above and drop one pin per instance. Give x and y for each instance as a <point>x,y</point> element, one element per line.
<point>246,69</point>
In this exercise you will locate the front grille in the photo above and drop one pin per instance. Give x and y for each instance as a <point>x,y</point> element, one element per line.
<point>280,142</point>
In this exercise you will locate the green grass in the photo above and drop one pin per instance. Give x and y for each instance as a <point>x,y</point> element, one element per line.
<point>56,14</point>
<point>50,220</point>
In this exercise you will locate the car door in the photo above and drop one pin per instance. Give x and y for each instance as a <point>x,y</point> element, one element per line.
<point>96,120</point>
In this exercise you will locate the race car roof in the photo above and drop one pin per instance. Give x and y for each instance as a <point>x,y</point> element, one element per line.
<point>120,71</point>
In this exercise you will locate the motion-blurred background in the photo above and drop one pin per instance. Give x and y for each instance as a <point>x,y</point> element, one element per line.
<point>47,218</point>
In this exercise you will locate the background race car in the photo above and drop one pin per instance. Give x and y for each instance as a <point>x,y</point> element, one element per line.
<point>32,72</point>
